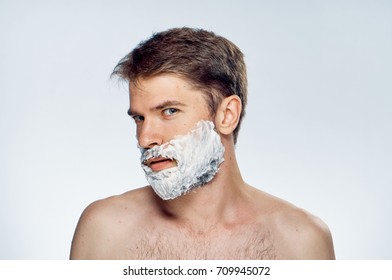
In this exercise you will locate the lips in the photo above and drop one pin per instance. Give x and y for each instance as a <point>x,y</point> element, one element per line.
<point>155,160</point>
<point>160,163</point>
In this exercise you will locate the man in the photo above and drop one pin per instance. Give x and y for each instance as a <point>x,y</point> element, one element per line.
<point>188,91</point>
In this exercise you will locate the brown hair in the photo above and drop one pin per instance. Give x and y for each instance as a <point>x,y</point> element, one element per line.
<point>209,62</point>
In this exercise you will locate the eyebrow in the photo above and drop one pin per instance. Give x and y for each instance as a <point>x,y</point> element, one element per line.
<point>168,103</point>
<point>164,104</point>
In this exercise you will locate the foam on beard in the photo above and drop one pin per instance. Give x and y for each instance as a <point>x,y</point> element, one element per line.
<point>198,154</point>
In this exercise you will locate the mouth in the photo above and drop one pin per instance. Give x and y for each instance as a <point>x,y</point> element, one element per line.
<point>160,163</point>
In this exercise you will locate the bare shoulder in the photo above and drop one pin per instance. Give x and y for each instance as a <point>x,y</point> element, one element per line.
<point>304,236</point>
<point>108,221</point>
<point>297,234</point>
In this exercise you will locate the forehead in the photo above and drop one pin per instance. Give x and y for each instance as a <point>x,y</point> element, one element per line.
<point>153,90</point>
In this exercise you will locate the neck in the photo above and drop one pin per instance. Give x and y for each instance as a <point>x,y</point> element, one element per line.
<point>211,204</point>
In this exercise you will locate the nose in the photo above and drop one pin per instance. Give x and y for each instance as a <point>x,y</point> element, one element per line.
<point>149,135</point>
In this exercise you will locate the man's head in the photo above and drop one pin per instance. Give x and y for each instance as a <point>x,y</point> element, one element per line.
<point>210,63</point>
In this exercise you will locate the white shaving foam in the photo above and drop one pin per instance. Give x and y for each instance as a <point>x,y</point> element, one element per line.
<point>198,155</point>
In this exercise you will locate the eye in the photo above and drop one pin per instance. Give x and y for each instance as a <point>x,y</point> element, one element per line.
<point>170,111</point>
<point>138,118</point>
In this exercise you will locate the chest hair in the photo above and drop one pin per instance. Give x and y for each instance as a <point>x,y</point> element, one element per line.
<point>250,243</point>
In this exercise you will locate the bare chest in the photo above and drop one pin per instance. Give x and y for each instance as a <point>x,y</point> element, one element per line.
<point>244,244</point>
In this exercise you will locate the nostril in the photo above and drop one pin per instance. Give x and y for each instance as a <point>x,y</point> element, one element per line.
<point>147,143</point>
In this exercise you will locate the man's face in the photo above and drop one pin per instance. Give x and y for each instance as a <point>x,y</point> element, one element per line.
<point>163,107</point>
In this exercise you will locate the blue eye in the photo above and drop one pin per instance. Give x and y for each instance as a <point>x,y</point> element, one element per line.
<point>170,111</point>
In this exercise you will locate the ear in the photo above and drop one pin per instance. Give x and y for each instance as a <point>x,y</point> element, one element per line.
<point>228,114</point>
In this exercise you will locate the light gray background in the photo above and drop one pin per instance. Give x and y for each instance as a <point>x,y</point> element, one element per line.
<point>317,131</point>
